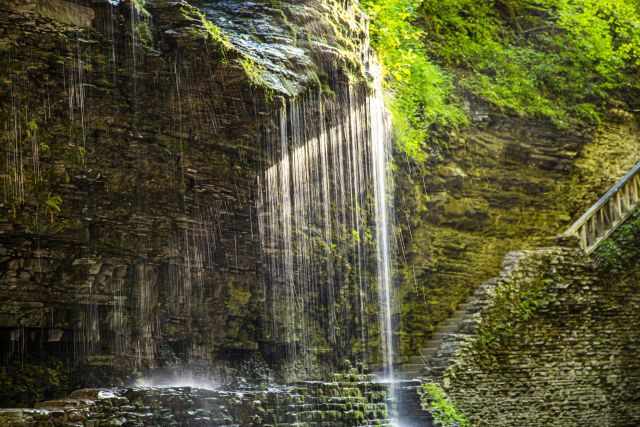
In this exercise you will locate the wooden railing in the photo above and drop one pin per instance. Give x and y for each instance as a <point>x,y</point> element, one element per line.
<point>609,212</point>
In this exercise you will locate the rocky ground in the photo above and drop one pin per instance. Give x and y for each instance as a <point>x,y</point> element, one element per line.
<point>348,400</point>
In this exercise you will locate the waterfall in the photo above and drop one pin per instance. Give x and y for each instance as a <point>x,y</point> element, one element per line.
<point>380,138</point>
<point>324,214</point>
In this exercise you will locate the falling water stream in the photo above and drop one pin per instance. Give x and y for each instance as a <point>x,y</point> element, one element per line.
<point>380,138</point>
<point>324,219</point>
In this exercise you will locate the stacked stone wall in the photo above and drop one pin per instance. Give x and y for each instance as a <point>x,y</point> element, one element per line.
<point>557,346</point>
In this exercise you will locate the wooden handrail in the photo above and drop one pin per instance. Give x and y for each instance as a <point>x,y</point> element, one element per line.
<point>613,209</point>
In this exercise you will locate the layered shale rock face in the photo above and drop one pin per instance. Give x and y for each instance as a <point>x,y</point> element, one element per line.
<point>503,184</point>
<point>130,140</point>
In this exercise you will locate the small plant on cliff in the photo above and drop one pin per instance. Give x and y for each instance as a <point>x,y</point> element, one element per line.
<point>53,205</point>
<point>216,34</point>
<point>444,413</point>
<point>209,30</point>
<point>140,7</point>
<point>253,71</point>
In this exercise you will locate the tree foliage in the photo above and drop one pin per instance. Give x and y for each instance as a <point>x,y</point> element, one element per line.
<point>560,59</point>
<point>420,91</point>
<point>565,60</point>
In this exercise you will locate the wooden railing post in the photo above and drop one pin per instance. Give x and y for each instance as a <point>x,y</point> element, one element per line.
<point>613,209</point>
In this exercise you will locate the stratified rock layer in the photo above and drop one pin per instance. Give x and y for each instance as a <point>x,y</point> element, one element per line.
<point>130,130</point>
<point>502,185</point>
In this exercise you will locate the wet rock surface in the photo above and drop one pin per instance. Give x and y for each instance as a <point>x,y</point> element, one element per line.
<point>128,229</point>
<point>349,400</point>
<point>292,44</point>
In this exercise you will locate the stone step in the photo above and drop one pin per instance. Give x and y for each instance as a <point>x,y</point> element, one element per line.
<point>436,372</point>
<point>447,331</point>
<point>430,349</point>
<point>413,386</point>
<point>416,421</point>
<point>412,367</point>
<point>450,327</point>
<point>466,306</point>
<point>409,375</point>
<point>408,404</point>
<point>410,372</point>
<point>441,335</point>
<point>409,399</point>
<point>456,317</point>
<point>409,394</point>
<point>408,408</point>
<point>416,360</point>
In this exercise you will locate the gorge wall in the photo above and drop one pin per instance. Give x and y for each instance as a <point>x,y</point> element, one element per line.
<point>501,185</point>
<point>132,136</point>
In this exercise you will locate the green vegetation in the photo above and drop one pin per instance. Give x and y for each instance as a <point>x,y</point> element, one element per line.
<point>621,250</point>
<point>237,299</point>
<point>515,303</point>
<point>563,60</point>
<point>215,33</point>
<point>420,90</point>
<point>253,71</point>
<point>445,414</point>
<point>53,204</point>
<point>210,31</point>
<point>141,8</point>
<point>558,59</point>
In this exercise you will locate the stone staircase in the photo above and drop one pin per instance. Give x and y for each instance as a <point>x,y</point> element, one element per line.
<point>433,360</point>
<point>598,222</point>
<point>408,411</point>
<point>426,360</point>
<point>436,356</point>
